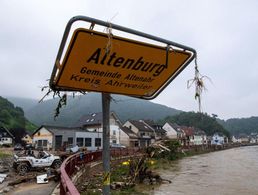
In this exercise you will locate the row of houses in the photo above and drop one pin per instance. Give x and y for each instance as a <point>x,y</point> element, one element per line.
<point>87,132</point>
<point>243,138</point>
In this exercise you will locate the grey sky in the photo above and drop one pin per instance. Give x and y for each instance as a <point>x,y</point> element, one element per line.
<point>224,34</point>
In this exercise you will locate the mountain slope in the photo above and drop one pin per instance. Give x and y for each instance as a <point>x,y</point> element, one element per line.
<point>13,117</point>
<point>238,126</point>
<point>125,107</point>
<point>25,103</point>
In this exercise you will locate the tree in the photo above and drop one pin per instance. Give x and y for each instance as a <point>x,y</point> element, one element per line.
<point>200,120</point>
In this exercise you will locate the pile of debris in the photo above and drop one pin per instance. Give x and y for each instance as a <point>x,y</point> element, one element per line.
<point>26,166</point>
<point>5,167</point>
<point>140,172</point>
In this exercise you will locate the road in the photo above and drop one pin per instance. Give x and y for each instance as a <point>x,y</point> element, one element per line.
<point>33,189</point>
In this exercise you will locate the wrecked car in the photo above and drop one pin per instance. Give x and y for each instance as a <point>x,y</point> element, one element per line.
<point>23,164</point>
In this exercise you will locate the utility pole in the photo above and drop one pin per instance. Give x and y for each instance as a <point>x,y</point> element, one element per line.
<point>106,137</point>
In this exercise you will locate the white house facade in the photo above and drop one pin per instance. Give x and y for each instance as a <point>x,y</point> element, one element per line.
<point>171,131</point>
<point>93,122</point>
<point>58,138</point>
<point>128,138</point>
<point>43,138</point>
<point>217,139</point>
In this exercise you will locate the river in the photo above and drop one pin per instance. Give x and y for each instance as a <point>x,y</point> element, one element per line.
<point>227,172</point>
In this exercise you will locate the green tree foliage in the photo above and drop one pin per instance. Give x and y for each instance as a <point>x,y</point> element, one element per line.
<point>200,120</point>
<point>238,126</point>
<point>13,117</point>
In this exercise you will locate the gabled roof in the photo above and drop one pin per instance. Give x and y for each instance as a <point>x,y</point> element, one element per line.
<point>90,119</point>
<point>129,132</point>
<point>219,134</point>
<point>56,129</point>
<point>199,132</point>
<point>189,131</point>
<point>236,136</point>
<point>156,127</point>
<point>176,127</point>
<point>94,119</point>
<point>141,126</point>
<point>28,133</point>
<point>7,131</point>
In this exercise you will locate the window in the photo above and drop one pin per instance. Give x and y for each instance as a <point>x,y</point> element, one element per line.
<point>39,143</point>
<point>114,132</point>
<point>87,142</point>
<point>97,142</point>
<point>79,141</point>
<point>38,133</point>
<point>114,141</point>
<point>70,140</point>
<point>44,143</point>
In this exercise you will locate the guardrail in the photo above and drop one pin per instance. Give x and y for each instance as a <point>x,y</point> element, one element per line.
<point>68,167</point>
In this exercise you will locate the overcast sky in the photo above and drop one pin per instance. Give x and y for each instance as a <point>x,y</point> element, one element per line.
<point>224,34</point>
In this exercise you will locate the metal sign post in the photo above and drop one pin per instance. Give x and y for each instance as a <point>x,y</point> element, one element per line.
<point>106,137</point>
<point>131,67</point>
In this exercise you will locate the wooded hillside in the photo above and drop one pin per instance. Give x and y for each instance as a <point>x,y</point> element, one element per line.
<point>203,121</point>
<point>13,118</point>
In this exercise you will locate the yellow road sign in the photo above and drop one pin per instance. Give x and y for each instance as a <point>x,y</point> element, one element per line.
<point>94,62</point>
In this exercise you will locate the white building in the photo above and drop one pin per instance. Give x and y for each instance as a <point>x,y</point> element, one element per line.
<point>56,138</point>
<point>145,134</point>
<point>236,139</point>
<point>173,131</point>
<point>217,139</point>
<point>128,138</point>
<point>6,138</point>
<point>93,122</point>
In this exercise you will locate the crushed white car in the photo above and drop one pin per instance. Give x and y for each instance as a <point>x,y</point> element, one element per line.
<point>23,164</point>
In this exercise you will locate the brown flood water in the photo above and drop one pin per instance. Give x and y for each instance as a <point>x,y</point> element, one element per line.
<point>227,172</point>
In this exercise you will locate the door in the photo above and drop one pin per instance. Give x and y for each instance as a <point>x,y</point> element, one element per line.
<point>58,142</point>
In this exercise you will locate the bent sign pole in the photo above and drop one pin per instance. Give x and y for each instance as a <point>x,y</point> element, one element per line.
<point>128,67</point>
<point>106,137</point>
